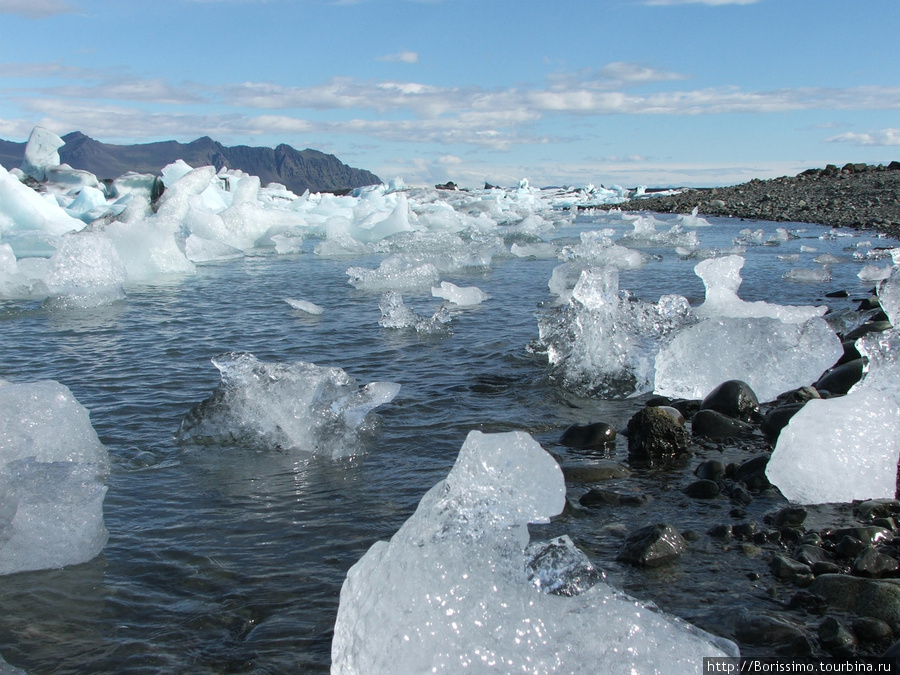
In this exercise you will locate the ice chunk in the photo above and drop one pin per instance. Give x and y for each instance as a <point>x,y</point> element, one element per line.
<point>597,249</point>
<point>874,273</point>
<point>467,297</point>
<point>304,306</point>
<point>52,474</point>
<point>396,314</point>
<point>449,593</point>
<point>85,271</point>
<point>24,210</point>
<point>889,296</point>
<point>722,278</point>
<point>288,406</point>
<point>600,344</point>
<point>397,273</point>
<point>538,250</point>
<point>200,250</point>
<point>769,355</point>
<point>41,152</point>
<point>89,205</point>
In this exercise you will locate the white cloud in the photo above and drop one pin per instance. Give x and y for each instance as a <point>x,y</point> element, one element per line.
<point>36,9</point>
<point>400,57</point>
<point>882,137</point>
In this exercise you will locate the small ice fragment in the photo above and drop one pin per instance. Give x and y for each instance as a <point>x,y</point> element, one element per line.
<point>305,306</point>
<point>463,296</point>
<point>874,273</point>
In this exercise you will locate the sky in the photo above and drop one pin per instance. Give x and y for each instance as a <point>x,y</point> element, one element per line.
<point>564,92</point>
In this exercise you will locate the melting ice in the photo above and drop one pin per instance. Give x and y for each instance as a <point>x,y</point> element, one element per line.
<point>287,406</point>
<point>52,479</point>
<point>450,592</point>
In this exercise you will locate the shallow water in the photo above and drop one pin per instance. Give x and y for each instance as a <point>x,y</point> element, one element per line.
<point>225,559</point>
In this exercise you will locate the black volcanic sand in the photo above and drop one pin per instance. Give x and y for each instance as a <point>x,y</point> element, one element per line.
<point>858,196</point>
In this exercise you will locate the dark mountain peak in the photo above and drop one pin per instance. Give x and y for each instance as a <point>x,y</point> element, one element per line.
<point>297,170</point>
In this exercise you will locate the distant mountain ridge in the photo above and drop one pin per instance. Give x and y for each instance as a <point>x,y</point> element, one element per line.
<point>298,170</point>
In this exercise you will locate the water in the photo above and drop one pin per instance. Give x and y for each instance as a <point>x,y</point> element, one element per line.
<point>225,559</point>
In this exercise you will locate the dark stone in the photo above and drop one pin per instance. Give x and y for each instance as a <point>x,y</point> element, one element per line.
<point>765,631</point>
<point>839,379</point>
<point>449,185</point>
<point>810,555</point>
<point>744,530</point>
<point>599,497</point>
<point>721,531</point>
<point>595,435</point>
<point>786,569</point>
<point>652,546</point>
<point>777,419</point>
<point>789,516</point>
<point>876,598</point>
<point>848,547</point>
<point>868,534</point>
<point>712,469</point>
<point>836,637</point>
<point>799,395</point>
<point>740,495</point>
<point>596,472</point>
<point>653,432</point>
<point>868,629</point>
<point>868,327</point>
<point>715,425</point>
<point>874,564</point>
<point>733,398</point>
<point>851,353</point>
<point>825,567</point>
<point>752,472</point>
<point>702,489</point>
<point>877,508</point>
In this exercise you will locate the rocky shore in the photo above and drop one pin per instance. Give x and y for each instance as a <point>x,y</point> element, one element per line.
<point>859,196</point>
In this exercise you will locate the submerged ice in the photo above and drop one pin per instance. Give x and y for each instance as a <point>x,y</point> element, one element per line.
<point>450,591</point>
<point>286,406</point>
<point>53,472</point>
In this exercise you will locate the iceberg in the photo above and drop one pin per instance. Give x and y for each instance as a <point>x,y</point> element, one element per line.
<point>41,153</point>
<point>53,470</point>
<point>846,448</point>
<point>298,407</point>
<point>450,592</point>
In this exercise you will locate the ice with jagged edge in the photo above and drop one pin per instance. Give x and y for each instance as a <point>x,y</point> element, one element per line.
<point>296,406</point>
<point>53,472</point>
<point>603,342</point>
<point>845,448</point>
<point>305,306</point>
<point>463,296</point>
<point>646,234</point>
<point>398,315</point>
<point>597,249</point>
<point>449,593</point>
<point>771,347</point>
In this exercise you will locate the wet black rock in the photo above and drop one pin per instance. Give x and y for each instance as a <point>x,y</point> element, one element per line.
<point>849,547</point>
<point>721,531</point>
<point>777,419</point>
<point>715,425</point>
<point>874,564</point>
<point>868,629</point>
<point>810,555</point>
<point>840,379</point>
<point>733,398</point>
<point>868,534</point>
<point>595,435</point>
<point>595,472</point>
<point>653,432</point>
<point>711,469</point>
<point>876,598</point>
<point>836,637</point>
<point>652,546</point>
<point>752,472</point>
<point>599,497</point>
<point>868,327</point>
<point>786,569</point>
<point>702,489</point>
<point>877,508</point>
<point>764,630</point>
<point>789,516</point>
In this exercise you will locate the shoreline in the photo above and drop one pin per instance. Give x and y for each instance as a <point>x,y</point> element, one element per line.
<point>856,196</point>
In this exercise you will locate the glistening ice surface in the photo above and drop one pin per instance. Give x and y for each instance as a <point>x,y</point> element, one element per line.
<point>229,557</point>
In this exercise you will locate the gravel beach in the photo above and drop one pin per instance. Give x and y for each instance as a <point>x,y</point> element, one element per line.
<point>859,196</point>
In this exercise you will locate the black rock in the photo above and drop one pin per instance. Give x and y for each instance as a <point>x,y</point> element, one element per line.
<point>849,547</point>
<point>789,516</point>
<point>786,569</point>
<point>733,398</point>
<point>653,432</point>
<point>836,637</point>
<point>599,497</point>
<point>810,555</point>
<point>652,546</point>
<point>764,630</point>
<point>876,598</point>
<point>777,419</point>
<point>744,531</point>
<point>721,531</point>
<point>868,629</point>
<point>840,379</point>
<point>868,534</point>
<point>851,353</point>
<point>715,425</point>
<point>596,471</point>
<point>449,185</point>
<point>825,567</point>
<point>711,469</point>
<point>874,564</point>
<point>877,508</point>
<point>702,489</point>
<point>752,472</point>
<point>594,435</point>
<point>868,327</point>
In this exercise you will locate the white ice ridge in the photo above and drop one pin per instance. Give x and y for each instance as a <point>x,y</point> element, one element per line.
<point>847,447</point>
<point>305,306</point>
<point>53,470</point>
<point>449,593</point>
<point>773,348</point>
<point>296,406</point>
<point>467,296</point>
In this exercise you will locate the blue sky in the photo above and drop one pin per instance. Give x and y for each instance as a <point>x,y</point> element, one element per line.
<point>653,92</point>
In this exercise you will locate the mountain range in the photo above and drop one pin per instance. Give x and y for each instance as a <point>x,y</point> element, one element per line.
<point>298,170</point>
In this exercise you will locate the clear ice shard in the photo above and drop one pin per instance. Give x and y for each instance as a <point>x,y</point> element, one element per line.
<point>450,593</point>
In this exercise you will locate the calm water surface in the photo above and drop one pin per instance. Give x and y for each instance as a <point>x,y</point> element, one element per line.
<point>223,559</point>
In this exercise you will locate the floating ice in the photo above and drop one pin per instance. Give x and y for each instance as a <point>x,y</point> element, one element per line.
<point>305,306</point>
<point>85,271</point>
<point>286,406</point>
<point>645,234</point>
<point>396,272</point>
<point>600,344</point>
<point>537,250</point>
<point>52,473</point>
<point>465,297</point>
<point>24,210</point>
<point>396,314</point>
<point>449,592</point>
<point>597,249</point>
<point>846,448</point>
<point>41,152</point>
<point>874,273</point>
<point>200,250</point>
<point>808,275</point>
